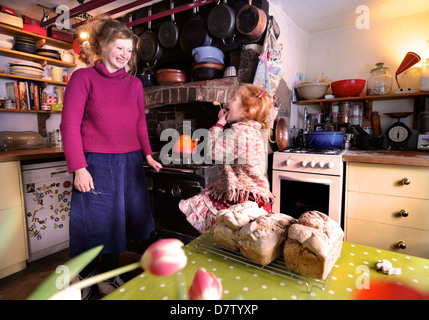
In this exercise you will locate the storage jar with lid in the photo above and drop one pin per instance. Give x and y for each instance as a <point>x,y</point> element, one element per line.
<point>380,81</point>
<point>424,78</point>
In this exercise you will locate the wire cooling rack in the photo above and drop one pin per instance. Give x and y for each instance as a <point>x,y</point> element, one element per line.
<point>277,267</point>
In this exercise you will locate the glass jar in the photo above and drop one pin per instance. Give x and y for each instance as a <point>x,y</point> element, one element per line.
<point>335,117</point>
<point>345,117</point>
<point>345,106</point>
<point>317,118</point>
<point>355,110</point>
<point>355,120</point>
<point>424,79</point>
<point>335,107</point>
<point>380,81</point>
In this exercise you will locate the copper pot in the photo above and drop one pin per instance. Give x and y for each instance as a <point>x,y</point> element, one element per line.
<point>170,76</point>
<point>251,21</point>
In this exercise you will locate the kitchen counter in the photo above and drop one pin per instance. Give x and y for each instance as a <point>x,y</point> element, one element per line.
<point>31,154</point>
<point>406,158</point>
<point>356,263</point>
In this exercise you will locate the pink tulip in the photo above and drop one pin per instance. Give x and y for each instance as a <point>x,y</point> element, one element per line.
<point>205,286</point>
<point>164,257</point>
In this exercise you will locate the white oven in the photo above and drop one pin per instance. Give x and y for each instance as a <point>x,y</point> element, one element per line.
<point>306,180</point>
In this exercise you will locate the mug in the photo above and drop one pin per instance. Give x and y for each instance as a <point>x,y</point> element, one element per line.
<point>57,74</point>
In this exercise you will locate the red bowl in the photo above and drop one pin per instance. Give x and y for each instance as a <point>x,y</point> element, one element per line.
<point>348,88</point>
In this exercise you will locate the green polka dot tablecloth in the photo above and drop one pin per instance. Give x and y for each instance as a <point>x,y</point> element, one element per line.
<point>353,271</point>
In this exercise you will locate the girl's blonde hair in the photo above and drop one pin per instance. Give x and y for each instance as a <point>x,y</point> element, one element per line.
<point>103,30</point>
<point>256,103</point>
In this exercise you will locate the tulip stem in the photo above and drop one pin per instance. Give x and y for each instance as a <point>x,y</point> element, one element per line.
<point>101,277</point>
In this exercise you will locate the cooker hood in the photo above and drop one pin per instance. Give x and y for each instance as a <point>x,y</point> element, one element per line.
<point>199,91</point>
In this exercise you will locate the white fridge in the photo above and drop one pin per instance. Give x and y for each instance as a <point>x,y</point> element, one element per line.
<point>47,195</point>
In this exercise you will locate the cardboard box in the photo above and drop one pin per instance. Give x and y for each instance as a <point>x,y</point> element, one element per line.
<point>11,20</point>
<point>60,34</point>
<point>35,29</point>
<point>8,10</point>
<point>28,20</point>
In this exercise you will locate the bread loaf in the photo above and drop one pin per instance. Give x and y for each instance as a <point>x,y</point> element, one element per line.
<point>229,221</point>
<point>313,245</point>
<point>262,240</point>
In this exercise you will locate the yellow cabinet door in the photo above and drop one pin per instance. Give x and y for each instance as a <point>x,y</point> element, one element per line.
<point>10,186</point>
<point>13,242</point>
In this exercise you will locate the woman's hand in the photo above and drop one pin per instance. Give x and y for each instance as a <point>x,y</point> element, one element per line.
<point>83,180</point>
<point>222,115</point>
<point>154,164</point>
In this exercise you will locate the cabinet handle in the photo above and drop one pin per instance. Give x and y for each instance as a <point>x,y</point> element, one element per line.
<point>406,181</point>
<point>403,213</point>
<point>402,245</point>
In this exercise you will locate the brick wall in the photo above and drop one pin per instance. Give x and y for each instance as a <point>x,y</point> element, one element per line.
<point>199,91</point>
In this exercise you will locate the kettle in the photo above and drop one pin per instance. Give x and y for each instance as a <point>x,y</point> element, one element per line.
<point>185,145</point>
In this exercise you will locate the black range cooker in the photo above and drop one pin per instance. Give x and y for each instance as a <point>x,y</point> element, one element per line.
<point>175,182</point>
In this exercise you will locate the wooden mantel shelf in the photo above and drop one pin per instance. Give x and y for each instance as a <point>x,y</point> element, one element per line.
<point>419,103</point>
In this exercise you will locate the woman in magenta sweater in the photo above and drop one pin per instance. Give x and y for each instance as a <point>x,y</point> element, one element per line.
<point>104,137</point>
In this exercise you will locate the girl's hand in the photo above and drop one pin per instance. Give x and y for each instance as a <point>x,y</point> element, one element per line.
<point>83,180</point>
<point>222,115</point>
<point>154,164</point>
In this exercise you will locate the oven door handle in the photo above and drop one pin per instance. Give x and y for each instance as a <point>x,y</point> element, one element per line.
<point>309,180</point>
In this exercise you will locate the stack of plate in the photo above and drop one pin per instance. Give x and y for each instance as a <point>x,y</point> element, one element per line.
<point>27,69</point>
<point>54,54</point>
<point>25,44</point>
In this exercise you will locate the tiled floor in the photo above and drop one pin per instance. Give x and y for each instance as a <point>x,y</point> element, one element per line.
<point>19,285</point>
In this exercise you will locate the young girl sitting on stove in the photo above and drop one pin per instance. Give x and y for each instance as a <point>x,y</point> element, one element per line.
<point>242,175</point>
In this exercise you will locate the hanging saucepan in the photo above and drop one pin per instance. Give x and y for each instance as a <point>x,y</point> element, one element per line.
<point>194,33</point>
<point>168,33</point>
<point>281,134</point>
<point>221,22</point>
<point>251,21</point>
<point>149,48</point>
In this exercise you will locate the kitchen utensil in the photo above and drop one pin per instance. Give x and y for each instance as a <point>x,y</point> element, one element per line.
<point>67,57</point>
<point>57,74</point>
<point>149,48</point>
<point>281,134</point>
<point>207,71</point>
<point>251,21</point>
<point>185,145</point>
<point>231,71</point>
<point>380,81</point>
<point>221,22</point>
<point>208,54</point>
<point>194,33</point>
<point>312,90</point>
<point>348,87</point>
<point>398,134</point>
<point>168,33</point>
<point>324,139</point>
<point>170,76</point>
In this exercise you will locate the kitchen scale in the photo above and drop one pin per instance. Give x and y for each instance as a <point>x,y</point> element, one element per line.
<point>398,134</point>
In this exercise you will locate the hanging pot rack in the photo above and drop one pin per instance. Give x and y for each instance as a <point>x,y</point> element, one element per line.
<point>166,13</point>
<point>94,4</point>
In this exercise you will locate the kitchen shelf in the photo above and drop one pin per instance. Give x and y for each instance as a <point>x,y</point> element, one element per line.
<point>14,31</point>
<point>28,111</point>
<point>13,76</point>
<point>419,103</point>
<point>35,58</point>
<point>277,267</point>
